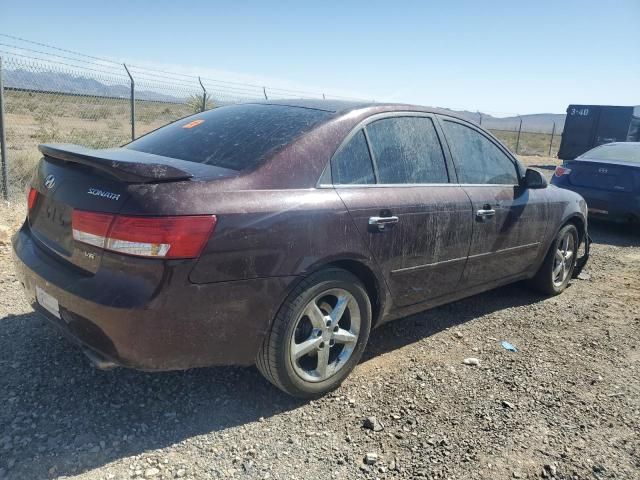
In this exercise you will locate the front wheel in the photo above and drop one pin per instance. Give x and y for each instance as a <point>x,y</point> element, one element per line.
<point>318,335</point>
<point>556,270</point>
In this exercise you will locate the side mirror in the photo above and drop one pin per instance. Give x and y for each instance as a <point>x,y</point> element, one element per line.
<point>534,179</point>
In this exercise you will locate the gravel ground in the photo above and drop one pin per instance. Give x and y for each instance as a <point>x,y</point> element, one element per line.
<point>566,405</point>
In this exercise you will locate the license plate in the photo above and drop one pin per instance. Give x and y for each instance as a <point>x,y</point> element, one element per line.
<point>48,302</point>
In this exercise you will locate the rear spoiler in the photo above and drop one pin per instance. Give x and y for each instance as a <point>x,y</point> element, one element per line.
<point>122,163</point>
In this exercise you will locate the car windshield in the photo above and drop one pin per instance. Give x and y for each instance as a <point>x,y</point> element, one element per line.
<point>625,152</point>
<point>236,137</point>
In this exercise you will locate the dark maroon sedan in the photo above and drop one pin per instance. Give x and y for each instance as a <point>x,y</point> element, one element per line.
<point>281,233</point>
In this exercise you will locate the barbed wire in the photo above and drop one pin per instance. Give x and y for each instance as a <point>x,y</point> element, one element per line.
<point>149,72</point>
<point>57,48</point>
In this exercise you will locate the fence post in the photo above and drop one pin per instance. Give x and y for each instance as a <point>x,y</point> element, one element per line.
<point>518,139</point>
<point>133,104</point>
<point>3,140</point>
<point>204,95</point>
<point>264,90</point>
<point>553,131</point>
<point>480,115</point>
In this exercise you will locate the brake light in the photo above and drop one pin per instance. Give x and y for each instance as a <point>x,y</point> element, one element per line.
<point>32,197</point>
<point>562,170</point>
<point>165,237</point>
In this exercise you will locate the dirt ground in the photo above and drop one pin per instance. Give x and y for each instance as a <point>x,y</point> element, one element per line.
<point>566,405</point>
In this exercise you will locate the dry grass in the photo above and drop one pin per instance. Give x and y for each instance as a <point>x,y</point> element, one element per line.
<point>530,143</point>
<point>34,118</point>
<point>12,214</point>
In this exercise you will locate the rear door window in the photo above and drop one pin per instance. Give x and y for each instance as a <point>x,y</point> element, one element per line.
<point>351,165</point>
<point>407,150</point>
<point>236,137</point>
<point>478,160</point>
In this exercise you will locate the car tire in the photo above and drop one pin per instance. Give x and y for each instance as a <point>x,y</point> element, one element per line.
<point>318,335</point>
<point>557,268</point>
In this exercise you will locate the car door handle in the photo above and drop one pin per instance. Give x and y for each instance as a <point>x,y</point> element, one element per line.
<point>381,223</point>
<point>484,213</point>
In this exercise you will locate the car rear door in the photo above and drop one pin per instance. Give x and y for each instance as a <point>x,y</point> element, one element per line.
<point>509,221</point>
<point>393,176</point>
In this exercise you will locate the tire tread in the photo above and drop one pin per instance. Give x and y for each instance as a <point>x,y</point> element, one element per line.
<point>542,281</point>
<point>267,360</point>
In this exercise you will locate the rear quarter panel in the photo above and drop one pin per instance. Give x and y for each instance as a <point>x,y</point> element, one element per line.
<point>260,233</point>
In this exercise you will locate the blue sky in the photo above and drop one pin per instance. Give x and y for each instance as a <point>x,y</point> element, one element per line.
<point>494,56</point>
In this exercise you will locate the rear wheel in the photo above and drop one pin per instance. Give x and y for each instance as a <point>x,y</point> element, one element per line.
<point>318,335</point>
<point>556,270</point>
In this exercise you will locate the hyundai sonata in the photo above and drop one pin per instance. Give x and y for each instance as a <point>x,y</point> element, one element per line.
<point>281,233</point>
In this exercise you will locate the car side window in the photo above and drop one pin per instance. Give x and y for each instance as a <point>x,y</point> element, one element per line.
<point>478,160</point>
<point>351,165</point>
<point>407,150</point>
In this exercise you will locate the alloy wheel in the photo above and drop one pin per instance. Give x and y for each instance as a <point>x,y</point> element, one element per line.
<point>325,335</point>
<point>563,259</point>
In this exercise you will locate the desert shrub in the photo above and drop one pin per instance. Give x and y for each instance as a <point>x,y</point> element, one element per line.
<point>47,132</point>
<point>20,168</point>
<point>195,102</point>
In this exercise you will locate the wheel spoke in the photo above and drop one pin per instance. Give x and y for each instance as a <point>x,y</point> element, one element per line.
<point>559,261</point>
<point>323,362</point>
<point>344,336</point>
<point>306,347</point>
<point>318,330</point>
<point>565,244</point>
<point>315,315</point>
<point>338,310</point>
<point>557,270</point>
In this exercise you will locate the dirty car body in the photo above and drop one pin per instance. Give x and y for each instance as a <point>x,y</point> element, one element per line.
<point>274,192</point>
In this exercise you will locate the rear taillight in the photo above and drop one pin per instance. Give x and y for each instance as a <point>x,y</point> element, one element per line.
<point>165,237</point>
<point>562,170</point>
<point>32,198</point>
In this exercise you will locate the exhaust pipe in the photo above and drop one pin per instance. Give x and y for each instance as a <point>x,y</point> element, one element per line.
<point>98,361</point>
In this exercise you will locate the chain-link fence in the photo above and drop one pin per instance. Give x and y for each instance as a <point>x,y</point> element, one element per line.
<point>55,95</point>
<point>523,135</point>
<point>65,97</point>
<point>524,139</point>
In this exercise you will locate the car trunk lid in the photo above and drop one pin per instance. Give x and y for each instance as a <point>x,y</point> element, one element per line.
<point>71,177</point>
<point>609,176</point>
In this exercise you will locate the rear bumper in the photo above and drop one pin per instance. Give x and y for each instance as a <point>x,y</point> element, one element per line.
<point>151,321</point>
<point>607,205</point>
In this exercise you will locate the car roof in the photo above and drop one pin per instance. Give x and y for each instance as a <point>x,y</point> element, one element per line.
<point>635,144</point>
<point>339,107</point>
<point>333,106</point>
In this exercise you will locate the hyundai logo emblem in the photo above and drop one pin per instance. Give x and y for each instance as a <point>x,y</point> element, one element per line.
<point>50,181</point>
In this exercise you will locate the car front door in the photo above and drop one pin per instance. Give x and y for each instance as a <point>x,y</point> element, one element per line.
<point>393,176</point>
<point>509,221</point>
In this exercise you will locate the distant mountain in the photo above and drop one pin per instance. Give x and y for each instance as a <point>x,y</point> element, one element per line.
<point>534,122</point>
<point>52,81</point>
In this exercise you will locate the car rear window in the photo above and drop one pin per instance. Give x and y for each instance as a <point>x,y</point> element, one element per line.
<point>236,137</point>
<point>625,152</point>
